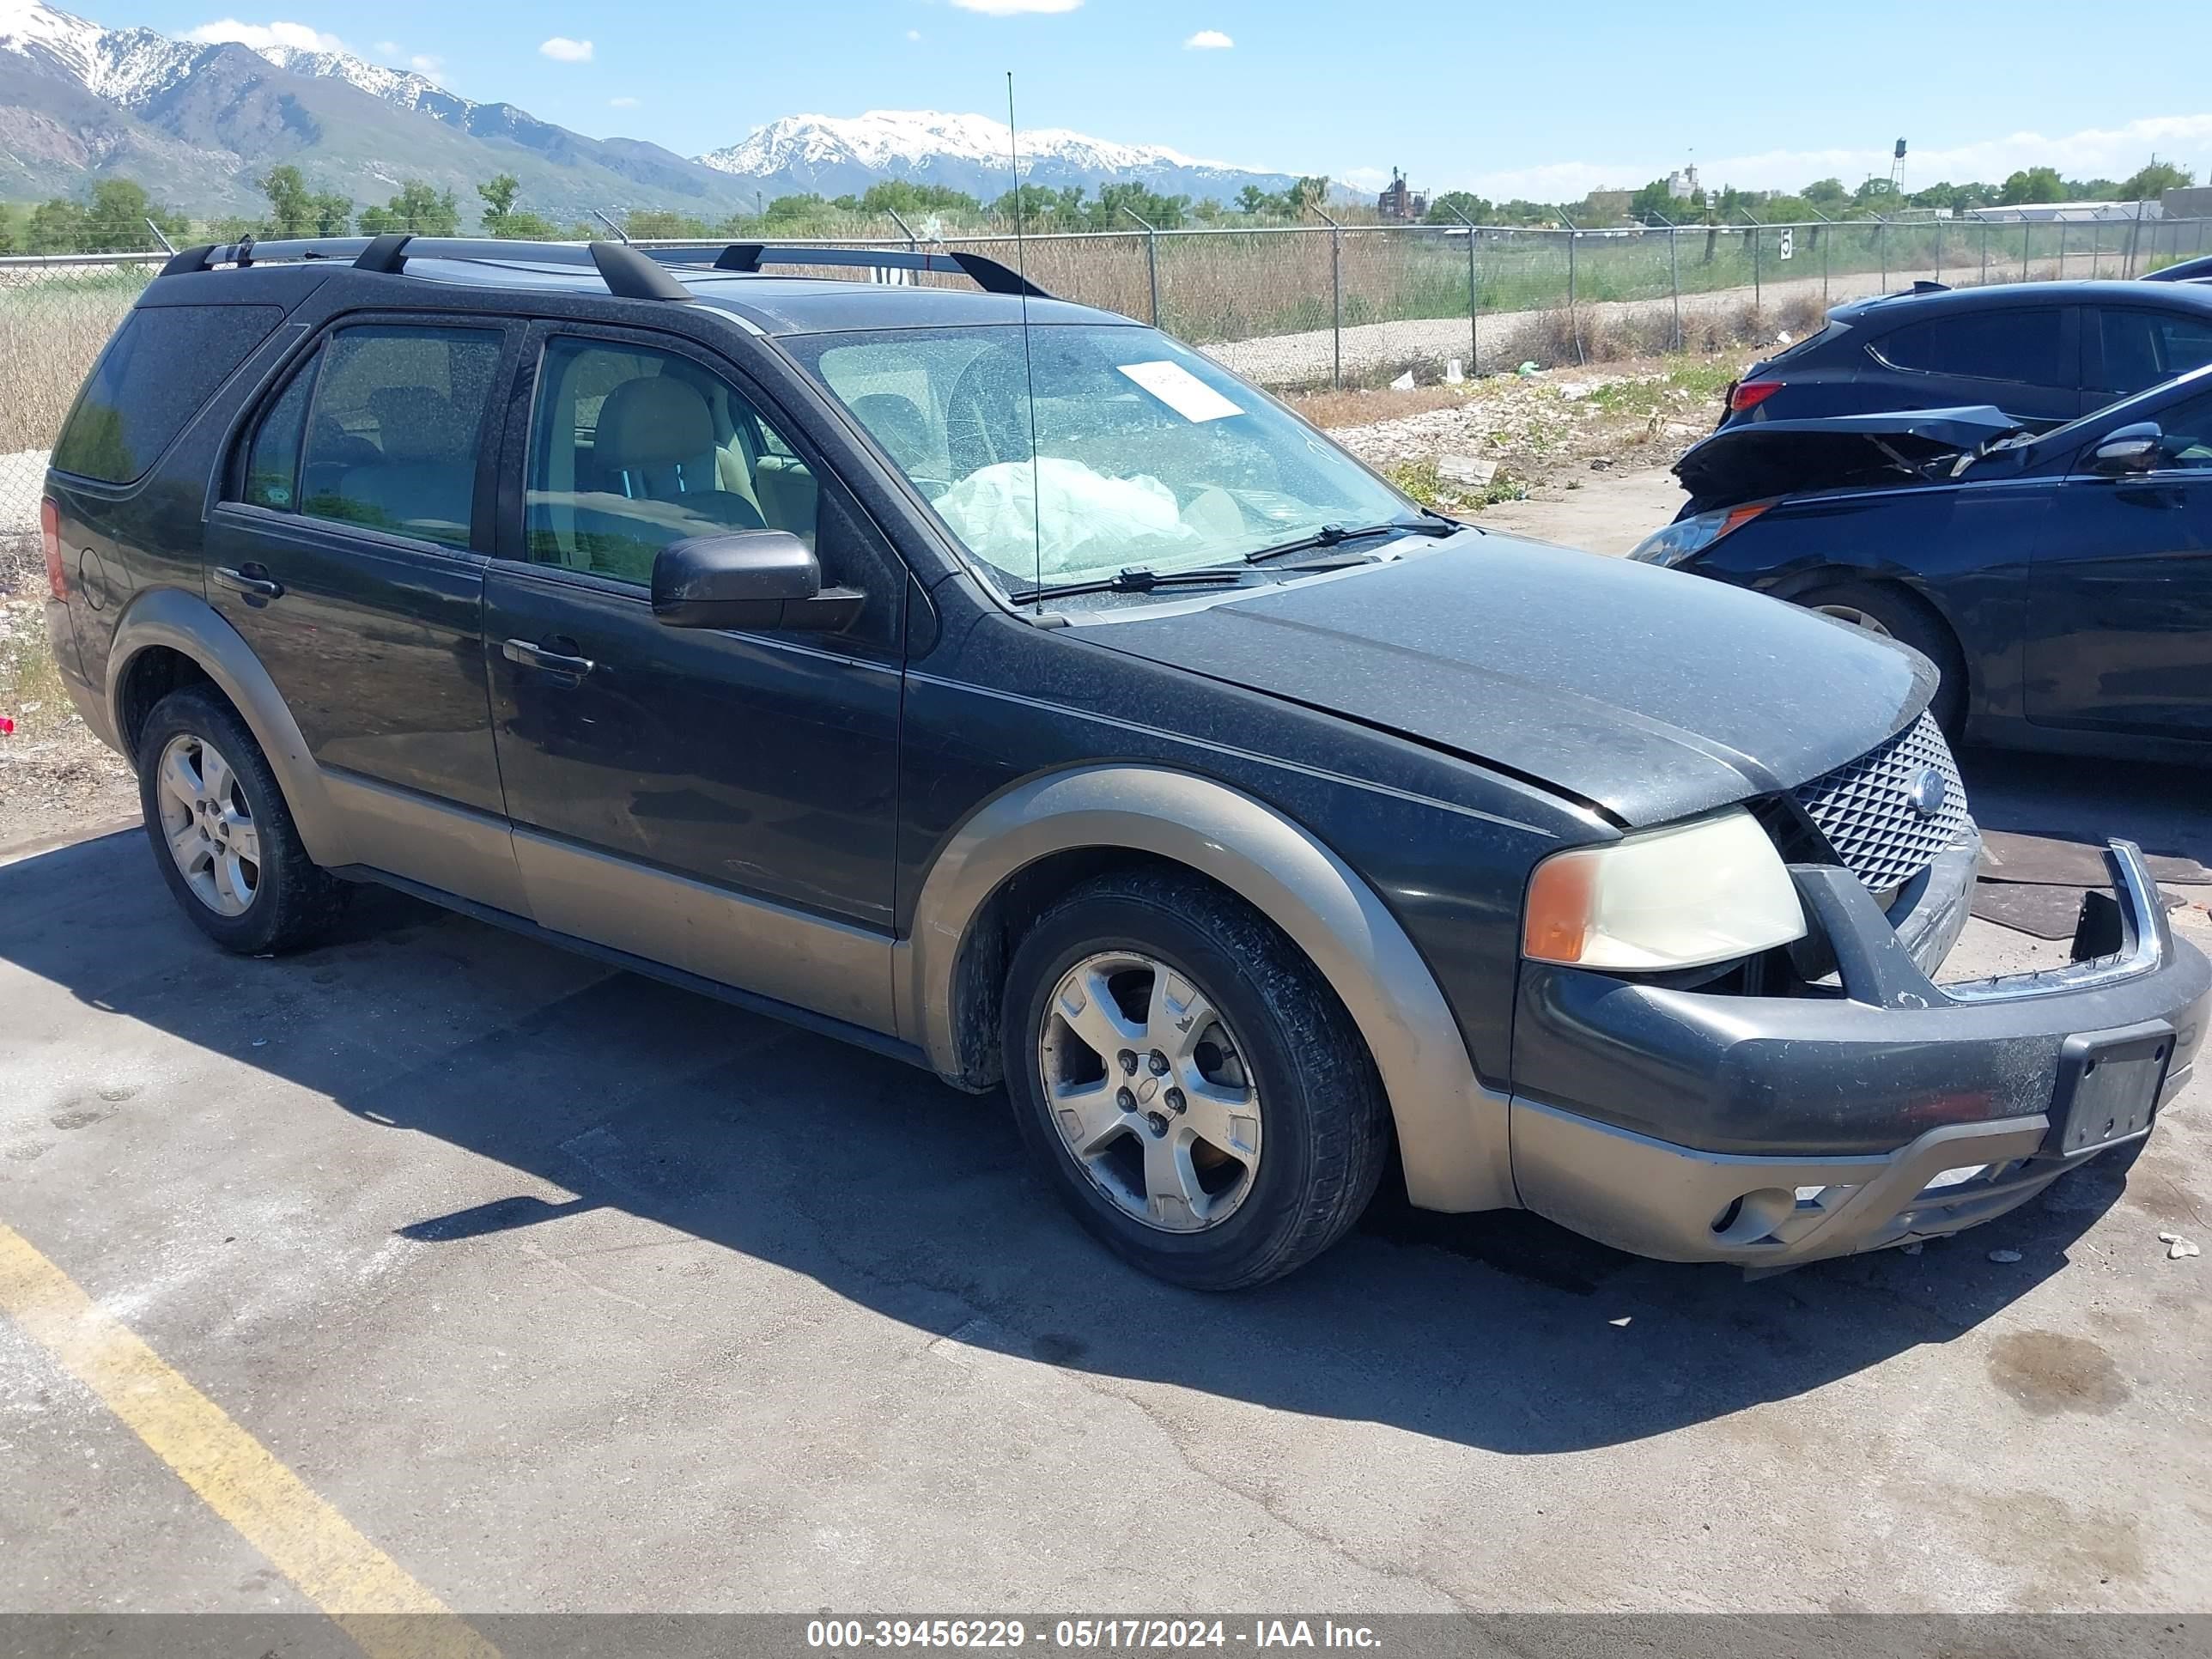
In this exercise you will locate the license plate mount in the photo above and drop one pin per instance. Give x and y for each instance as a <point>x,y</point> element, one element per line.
<point>2109,1083</point>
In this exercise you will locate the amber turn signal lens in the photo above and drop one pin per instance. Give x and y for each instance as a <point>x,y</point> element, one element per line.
<point>1560,903</point>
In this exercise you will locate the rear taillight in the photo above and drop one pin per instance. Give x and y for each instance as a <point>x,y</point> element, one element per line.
<point>1749,394</point>
<point>50,533</point>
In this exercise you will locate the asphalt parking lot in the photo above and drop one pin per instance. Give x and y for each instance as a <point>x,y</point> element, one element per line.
<point>568,1290</point>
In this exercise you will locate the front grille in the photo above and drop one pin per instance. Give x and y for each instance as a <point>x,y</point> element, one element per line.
<point>1866,809</point>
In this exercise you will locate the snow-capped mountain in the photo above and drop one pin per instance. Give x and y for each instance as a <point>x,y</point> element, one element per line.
<point>833,155</point>
<point>200,122</point>
<point>125,65</point>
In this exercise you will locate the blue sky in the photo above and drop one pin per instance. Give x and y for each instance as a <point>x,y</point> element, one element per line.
<point>1534,100</point>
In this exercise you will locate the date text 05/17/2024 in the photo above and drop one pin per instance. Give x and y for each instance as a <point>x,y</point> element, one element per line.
<point>1087,1634</point>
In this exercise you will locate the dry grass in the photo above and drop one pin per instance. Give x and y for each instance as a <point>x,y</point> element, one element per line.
<point>51,328</point>
<point>30,691</point>
<point>1362,405</point>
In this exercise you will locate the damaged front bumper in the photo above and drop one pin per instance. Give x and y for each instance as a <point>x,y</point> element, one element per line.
<point>1696,1126</point>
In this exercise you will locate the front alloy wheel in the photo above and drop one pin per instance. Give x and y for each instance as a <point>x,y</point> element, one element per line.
<point>209,824</point>
<point>1186,1082</point>
<point>1148,1090</point>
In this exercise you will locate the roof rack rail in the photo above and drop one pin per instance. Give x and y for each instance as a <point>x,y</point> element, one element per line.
<point>628,273</point>
<point>988,275</point>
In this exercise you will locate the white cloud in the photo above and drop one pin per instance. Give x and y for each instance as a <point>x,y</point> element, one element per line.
<point>2091,153</point>
<point>1208,40</point>
<point>1015,8</point>
<point>386,49</point>
<point>622,103</point>
<point>262,35</point>
<point>430,67</point>
<point>561,50</point>
<point>913,35</point>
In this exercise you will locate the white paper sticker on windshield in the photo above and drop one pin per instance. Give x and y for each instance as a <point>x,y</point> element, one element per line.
<point>1181,391</point>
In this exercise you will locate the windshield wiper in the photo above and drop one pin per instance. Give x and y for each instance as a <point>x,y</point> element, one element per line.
<point>1335,535</point>
<point>1139,579</point>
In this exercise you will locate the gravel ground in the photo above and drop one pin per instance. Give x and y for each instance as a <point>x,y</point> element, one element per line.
<point>1549,433</point>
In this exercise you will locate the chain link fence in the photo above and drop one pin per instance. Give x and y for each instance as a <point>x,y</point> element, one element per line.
<point>55,315</point>
<point>1291,307</point>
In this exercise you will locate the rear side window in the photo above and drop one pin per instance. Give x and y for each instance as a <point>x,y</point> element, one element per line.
<point>380,428</point>
<point>154,377</point>
<point>1990,345</point>
<point>2143,348</point>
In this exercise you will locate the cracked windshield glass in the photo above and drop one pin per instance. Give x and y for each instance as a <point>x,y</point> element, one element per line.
<point>1146,455</point>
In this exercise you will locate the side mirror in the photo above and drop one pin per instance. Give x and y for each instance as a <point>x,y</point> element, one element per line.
<point>2130,449</point>
<point>747,579</point>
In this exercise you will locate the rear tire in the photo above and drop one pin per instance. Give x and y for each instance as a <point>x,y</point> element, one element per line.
<point>1187,1083</point>
<point>222,834</point>
<point>1895,614</point>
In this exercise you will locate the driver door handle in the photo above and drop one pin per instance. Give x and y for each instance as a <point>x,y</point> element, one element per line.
<point>253,581</point>
<point>531,654</point>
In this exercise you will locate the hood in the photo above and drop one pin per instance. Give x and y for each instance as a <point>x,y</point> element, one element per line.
<point>1648,693</point>
<point>1784,458</point>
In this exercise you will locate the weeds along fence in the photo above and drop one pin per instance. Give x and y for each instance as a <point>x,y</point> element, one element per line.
<point>1291,306</point>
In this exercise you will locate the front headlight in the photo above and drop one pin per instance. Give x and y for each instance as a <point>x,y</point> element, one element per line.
<point>1686,536</point>
<point>1685,896</point>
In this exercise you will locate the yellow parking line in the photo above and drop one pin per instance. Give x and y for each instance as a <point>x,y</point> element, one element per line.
<point>368,1594</point>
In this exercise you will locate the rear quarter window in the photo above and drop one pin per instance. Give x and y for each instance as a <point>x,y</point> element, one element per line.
<point>152,379</point>
<point>1987,345</point>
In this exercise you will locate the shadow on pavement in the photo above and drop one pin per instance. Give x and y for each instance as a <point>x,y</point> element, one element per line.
<point>910,1199</point>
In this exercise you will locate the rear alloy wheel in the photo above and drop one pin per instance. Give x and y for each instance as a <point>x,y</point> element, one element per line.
<point>209,824</point>
<point>1187,1083</point>
<point>1891,613</point>
<point>223,835</point>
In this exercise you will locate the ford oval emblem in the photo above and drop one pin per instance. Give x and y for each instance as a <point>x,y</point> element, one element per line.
<point>1926,791</point>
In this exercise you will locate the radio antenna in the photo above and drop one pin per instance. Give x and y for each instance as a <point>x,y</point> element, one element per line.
<point>1028,369</point>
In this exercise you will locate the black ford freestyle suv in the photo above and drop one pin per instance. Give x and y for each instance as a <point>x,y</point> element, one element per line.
<point>997,683</point>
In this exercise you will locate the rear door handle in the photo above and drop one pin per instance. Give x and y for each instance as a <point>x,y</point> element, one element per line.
<point>253,581</point>
<point>531,654</point>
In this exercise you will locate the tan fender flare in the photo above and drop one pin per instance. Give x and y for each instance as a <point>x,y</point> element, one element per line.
<point>1452,1131</point>
<point>188,623</point>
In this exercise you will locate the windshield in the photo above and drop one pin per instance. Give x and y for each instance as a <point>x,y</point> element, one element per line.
<point>1146,454</point>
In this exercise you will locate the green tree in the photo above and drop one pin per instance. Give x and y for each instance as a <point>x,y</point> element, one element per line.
<point>1826,194</point>
<point>332,212</point>
<point>2033,184</point>
<point>1160,212</point>
<point>57,227</point>
<point>1655,202</point>
<point>417,207</point>
<point>291,208</point>
<point>499,196</point>
<point>117,219</point>
<point>903,196</point>
<point>1445,209</point>
<point>2154,180</point>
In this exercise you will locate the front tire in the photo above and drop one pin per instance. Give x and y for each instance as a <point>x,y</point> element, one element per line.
<point>1189,1085</point>
<point>223,836</point>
